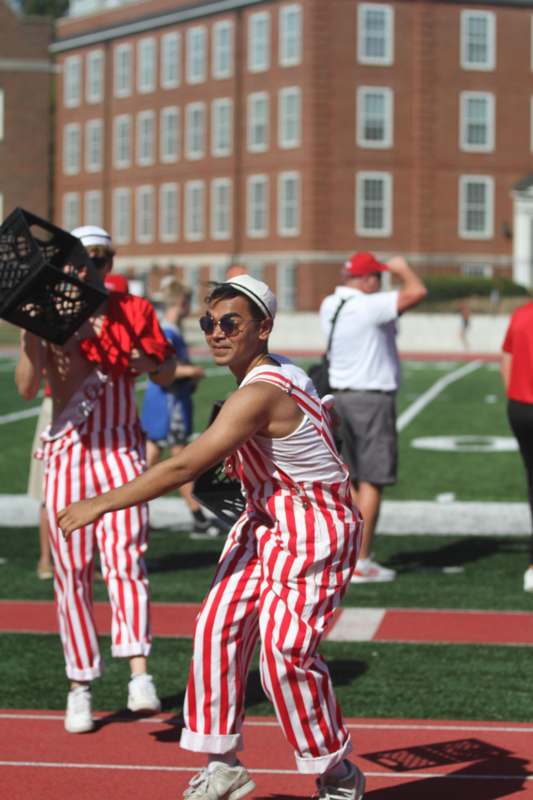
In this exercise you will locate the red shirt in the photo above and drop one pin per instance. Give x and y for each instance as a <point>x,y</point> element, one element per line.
<point>519,343</point>
<point>130,322</point>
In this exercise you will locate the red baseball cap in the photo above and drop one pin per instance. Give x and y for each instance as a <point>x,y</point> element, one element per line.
<point>116,283</point>
<point>362,264</point>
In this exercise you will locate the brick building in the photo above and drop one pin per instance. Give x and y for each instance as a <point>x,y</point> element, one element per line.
<point>288,134</point>
<point>25,111</point>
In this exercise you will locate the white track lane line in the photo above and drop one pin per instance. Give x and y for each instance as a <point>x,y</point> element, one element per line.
<point>428,396</point>
<point>356,625</point>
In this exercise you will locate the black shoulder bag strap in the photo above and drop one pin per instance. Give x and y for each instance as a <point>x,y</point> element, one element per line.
<point>333,323</point>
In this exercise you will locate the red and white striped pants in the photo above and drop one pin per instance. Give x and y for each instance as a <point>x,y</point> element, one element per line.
<point>264,590</point>
<point>79,466</point>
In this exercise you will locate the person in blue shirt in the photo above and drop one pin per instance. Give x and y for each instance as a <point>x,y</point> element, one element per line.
<point>167,413</point>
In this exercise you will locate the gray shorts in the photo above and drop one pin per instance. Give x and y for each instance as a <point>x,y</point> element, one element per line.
<point>368,432</point>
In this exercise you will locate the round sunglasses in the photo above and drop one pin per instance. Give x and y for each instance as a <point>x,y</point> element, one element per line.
<point>228,324</point>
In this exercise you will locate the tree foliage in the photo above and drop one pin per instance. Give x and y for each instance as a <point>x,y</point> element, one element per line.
<point>51,8</point>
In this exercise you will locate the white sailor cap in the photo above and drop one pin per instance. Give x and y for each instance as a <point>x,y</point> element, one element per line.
<point>92,235</point>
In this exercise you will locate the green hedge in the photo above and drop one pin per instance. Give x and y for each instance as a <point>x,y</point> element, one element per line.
<point>452,287</point>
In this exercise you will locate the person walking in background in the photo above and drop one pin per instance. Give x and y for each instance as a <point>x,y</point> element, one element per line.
<point>95,442</point>
<point>167,412</point>
<point>364,375</point>
<point>517,373</point>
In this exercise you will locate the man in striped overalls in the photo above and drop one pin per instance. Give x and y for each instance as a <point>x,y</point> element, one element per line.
<point>93,444</point>
<point>286,562</point>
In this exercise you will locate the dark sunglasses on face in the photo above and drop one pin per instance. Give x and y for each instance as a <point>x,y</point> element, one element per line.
<point>227,324</point>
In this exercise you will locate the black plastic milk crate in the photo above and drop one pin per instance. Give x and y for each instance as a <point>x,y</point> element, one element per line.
<point>39,287</point>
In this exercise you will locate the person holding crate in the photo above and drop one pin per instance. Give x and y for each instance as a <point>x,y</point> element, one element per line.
<point>95,443</point>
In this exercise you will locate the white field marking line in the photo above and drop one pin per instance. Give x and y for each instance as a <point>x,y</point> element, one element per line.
<point>260,771</point>
<point>415,408</point>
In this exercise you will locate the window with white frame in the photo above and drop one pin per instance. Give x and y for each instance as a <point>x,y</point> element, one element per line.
<point>259,41</point>
<point>93,208</point>
<point>194,211</point>
<point>94,76</point>
<point>476,122</point>
<point>375,34</point>
<point>217,272</point>
<point>146,65</point>
<point>222,49</point>
<point>222,126</point>
<point>2,107</point>
<point>145,138</point>
<point>193,278</point>
<point>476,207</point>
<point>122,215</point>
<point>122,79</point>
<point>144,214</point>
<point>169,134</point>
<point>71,148</point>
<point>286,290</point>
<point>94,143</point>
<point>375,115</point>
<point>289,117</point>
<point>195,131</point>
<point>257,206</point>
<point>289,204</point>
<point>122,141</point>
<point>477,270</point>
<point>258,122</point>
<point>257,270</point>
<point>71,211</point>
<point>373,204</point>
<point>168,212</point>
<point>221,211</point>
<point>478,40</point>
<point>72,81</point>
<point>290,35</point>
<point>170,60</point>
<point>196,54</point>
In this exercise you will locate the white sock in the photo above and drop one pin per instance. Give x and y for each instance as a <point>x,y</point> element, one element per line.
<point>339,771</point>
<point>216,760</point>
<point>363,562</point>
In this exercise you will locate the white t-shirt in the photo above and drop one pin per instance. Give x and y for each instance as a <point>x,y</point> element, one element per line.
<point>363,352</point>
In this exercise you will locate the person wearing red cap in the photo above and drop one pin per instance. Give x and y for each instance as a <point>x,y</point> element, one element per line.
<point>95,441</point>
<point>364,375</point>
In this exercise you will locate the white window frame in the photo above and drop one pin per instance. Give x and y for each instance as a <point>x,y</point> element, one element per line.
<point>93,196</point>
<point>221,146</point>
<point>196,69</point>
<point>141,236</point>
<point>122,70</point>
<point>193,235</point>
<point>71,197</point>
<point>388,57</point>
<point>286,57</point>
<point>146,65</point>
<point>166,234</point>
<point>490,64</point>
<point>94,76</point>
<point>251,231</point>
<point>122,227</point>
<point>388,118</point>
<point>119,121</point>
<point>285,141</point>
<point>222,56</point>
<point>145,159</point>
<point>464,99</point>
<point>255,98</point>
<point>488,232</point>
<point>170,78</point>
<point>166,155</point>
<point>71,154</point>
<point>287,285</point>
<point>225,233</point>
<point>72,81</point>
<point>2,114</point>
<point>283,177</point>
<point>193,153</point>
<point>258,57</point>
<point>94,159</point>
<point>360,228</point>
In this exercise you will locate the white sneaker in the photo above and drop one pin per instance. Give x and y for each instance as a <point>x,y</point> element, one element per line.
<point>352,787</point>
<point>78,718</point>
<point>142,695</point>
<point>368,571</point>
<point>223,783</point>
<point>528,580</point>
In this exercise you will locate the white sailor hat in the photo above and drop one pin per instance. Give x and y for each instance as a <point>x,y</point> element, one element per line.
<point>257,291</point>
<point>92,235</point>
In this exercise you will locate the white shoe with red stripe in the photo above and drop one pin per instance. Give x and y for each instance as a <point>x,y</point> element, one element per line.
<point>368,571</point>
<point>221,783</point>
<point>351,787</point>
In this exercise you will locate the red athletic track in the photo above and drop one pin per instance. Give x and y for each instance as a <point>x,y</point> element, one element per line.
<point>124,759</point>
<point>397,625</point>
